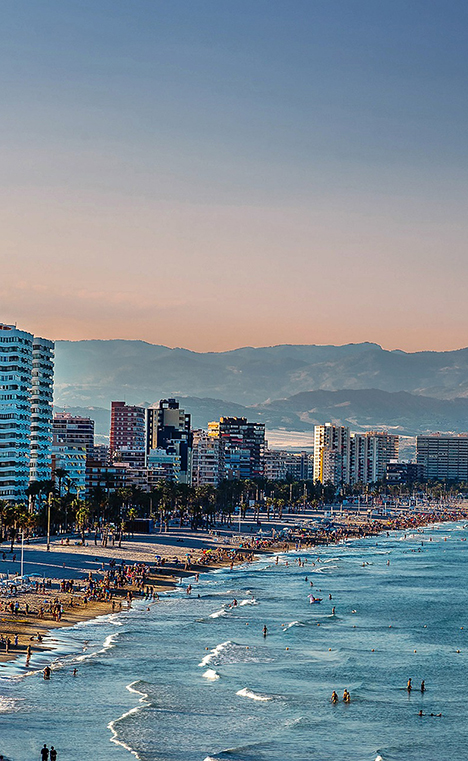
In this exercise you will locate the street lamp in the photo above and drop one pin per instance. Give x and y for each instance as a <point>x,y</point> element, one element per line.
<point>48,521</point>
<point>22,552</point>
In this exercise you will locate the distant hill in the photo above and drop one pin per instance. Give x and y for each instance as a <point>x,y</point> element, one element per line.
<point>92,373</point>
<point>401,412</point>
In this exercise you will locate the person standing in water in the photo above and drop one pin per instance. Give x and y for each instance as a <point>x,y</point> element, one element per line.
<point>409,685</point>
<point>423,686</point>
<point>334,697</point>
<point>44,753</point>
<point>265,631</point>
<point>53,753</point>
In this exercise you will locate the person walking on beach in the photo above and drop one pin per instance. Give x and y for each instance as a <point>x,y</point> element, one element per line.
<point>45,753</point>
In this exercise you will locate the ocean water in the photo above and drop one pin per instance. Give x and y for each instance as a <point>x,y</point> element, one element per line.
<point>192,679</point>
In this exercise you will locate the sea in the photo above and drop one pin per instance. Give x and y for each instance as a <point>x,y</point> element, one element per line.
<point>192,677</point>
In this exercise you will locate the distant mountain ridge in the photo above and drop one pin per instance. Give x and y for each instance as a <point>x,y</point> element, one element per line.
<point>92,373</point>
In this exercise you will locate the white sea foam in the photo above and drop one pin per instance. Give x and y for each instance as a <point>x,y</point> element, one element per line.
<point>211,674</point>
<point>293,623</point>
<point>246,693</point>
<point>252,601</point>
<point>131,688</point>
<point>8,705</point>
<point>114,738</point>
<point>213,653</point>
<point>112,724</point>
<point>218,613</point>
<point>106,645</point>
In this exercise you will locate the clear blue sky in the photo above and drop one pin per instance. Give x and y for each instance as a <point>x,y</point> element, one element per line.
<point>212,174</point>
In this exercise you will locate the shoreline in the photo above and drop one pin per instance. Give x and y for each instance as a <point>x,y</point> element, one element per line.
<point>166,577</point>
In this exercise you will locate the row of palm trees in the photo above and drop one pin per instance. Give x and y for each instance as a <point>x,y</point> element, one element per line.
<point>200,505</point>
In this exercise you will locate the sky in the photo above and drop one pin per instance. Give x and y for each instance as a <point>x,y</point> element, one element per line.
<point>221,173</point>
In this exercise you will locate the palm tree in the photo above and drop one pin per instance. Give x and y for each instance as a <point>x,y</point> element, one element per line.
<point>83,513</point>
<point>15,517</point>
<point>60,474</point>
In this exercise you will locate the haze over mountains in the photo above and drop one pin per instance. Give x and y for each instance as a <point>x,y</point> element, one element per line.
<point>290,387</point>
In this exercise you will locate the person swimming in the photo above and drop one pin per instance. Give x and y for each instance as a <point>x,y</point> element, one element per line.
<point>346,697</point>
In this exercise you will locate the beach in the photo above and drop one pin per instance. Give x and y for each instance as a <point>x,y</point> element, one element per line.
<point>191,677</point>
<point>167,557</point>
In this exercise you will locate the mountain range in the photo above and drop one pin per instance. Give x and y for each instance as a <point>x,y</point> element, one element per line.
<point>287,387</point>
<point>94,372</point>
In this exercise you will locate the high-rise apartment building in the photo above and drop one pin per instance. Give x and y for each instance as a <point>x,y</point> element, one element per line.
<point>127,434</point>
<point>443,456</point>
<point>341,457</point>
<point>242,447</point>
<point>206,459</point>
<point>73,447</point>
<point>26,382</point>
<point>331,453</point>
<point>370,453</point>
<point>42,399</point>
<point>168,427</point>
<point>74,430</point>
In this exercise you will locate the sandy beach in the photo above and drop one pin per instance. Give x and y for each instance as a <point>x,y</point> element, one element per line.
<point>166,557</point>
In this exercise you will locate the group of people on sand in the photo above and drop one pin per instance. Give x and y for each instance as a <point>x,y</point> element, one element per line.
<point>346,697</point>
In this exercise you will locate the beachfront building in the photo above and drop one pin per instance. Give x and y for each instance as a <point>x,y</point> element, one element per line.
<point>72,460</point>
<point>74,430</point>
<point>163,466</point>
<point>332,454</point>
<point>72,448</point>
<point>370,453</point>
<point>26,381</point>
<point>242,447</point>
<point>281,465</point>
<point>443,456</point>
<point>104,477</point>
<point>42,399</point>
<point>127,434</point>
<point>342,457</point>
<point>404,472</point>
<point>274,465</point>
<point>206,459</point>
<point>168,428</point>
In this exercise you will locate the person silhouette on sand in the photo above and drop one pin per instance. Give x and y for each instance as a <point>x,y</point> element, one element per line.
<point>44,753</point>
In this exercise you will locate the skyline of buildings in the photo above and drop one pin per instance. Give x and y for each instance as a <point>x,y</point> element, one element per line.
<point>148,444</point>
